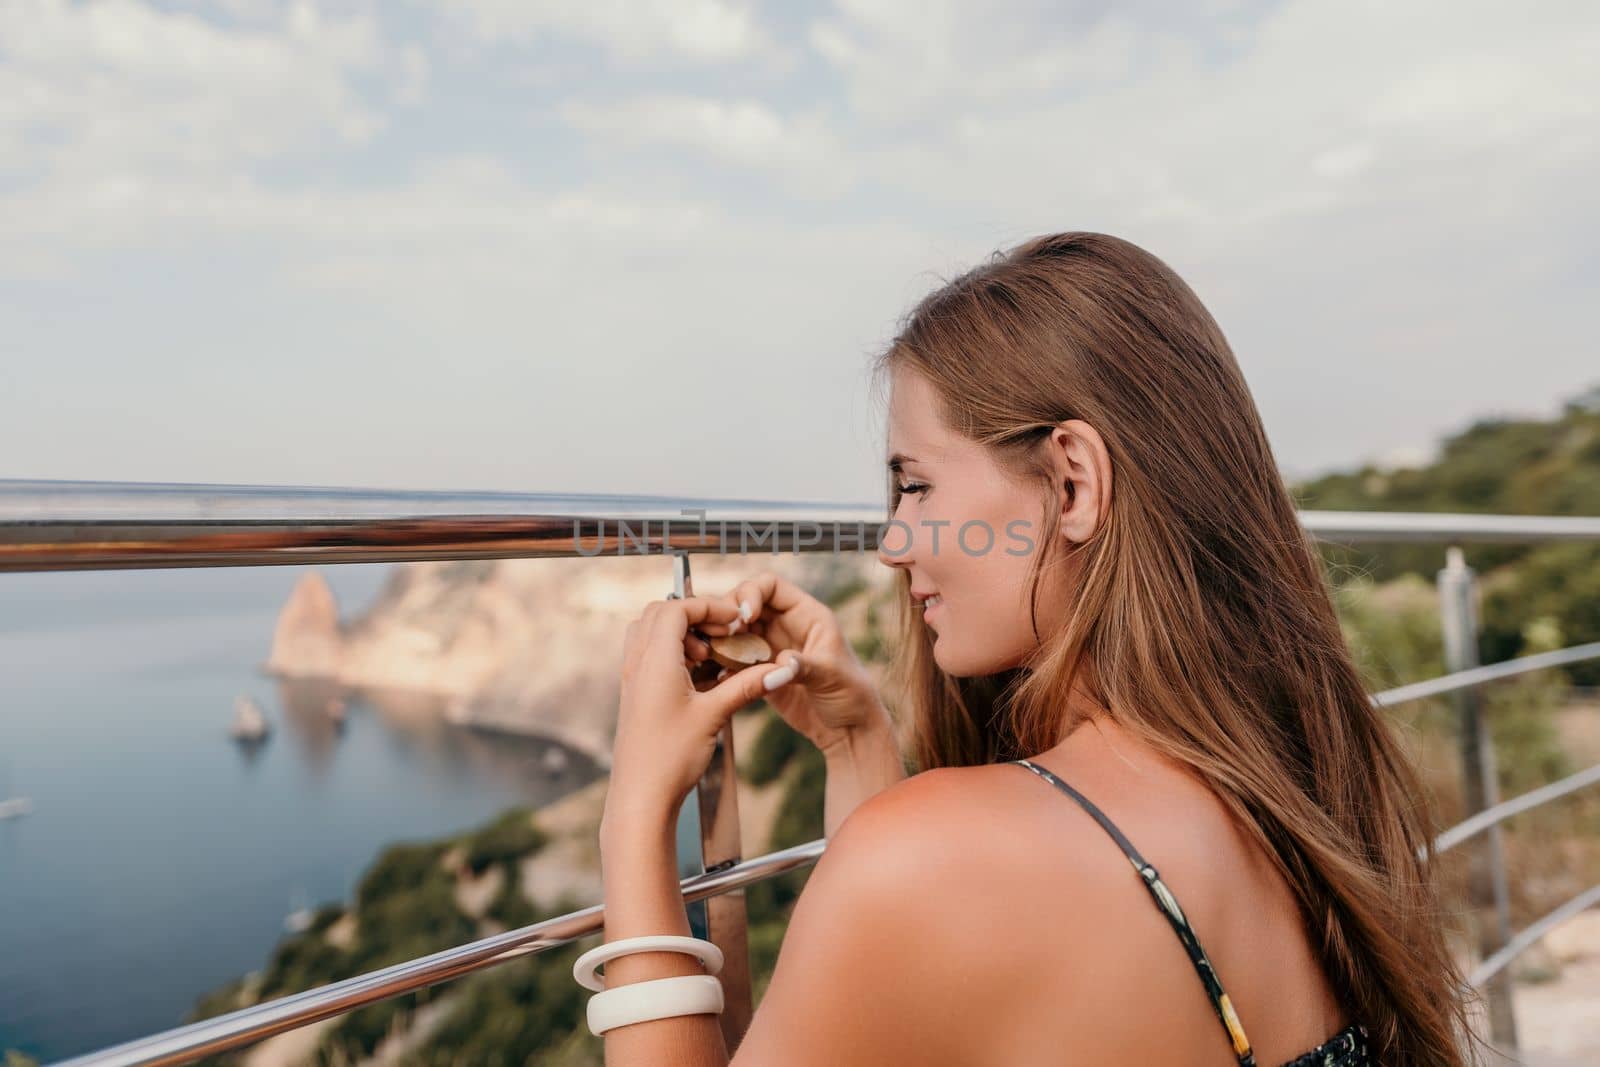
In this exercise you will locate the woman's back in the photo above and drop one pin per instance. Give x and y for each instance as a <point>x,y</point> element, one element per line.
<point>1105,976</point>
<point>1074,389</point>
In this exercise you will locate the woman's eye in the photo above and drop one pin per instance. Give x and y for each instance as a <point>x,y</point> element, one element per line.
<point>912,489</point>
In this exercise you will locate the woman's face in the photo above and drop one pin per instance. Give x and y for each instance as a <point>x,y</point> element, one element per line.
<point>966,531</point>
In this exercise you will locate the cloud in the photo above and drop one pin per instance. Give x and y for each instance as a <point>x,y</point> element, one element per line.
<point>1298,113</point>
<point>554,195</point>
<point>1363,194</point>
<point>802,150</point>
<point>117,117</point>
<point>904,60</point>
<point>699,30</point>
<point>117,89</point>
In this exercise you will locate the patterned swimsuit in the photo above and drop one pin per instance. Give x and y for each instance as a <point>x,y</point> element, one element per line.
<point>1348,1048</point>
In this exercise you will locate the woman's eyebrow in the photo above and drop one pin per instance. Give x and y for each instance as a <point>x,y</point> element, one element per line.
<point>896,460</point>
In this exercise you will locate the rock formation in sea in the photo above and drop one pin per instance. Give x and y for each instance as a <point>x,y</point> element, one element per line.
<point>526,645</point>
<point>307,641</point>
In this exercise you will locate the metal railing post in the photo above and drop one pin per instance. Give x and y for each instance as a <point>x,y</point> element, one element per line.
<point>1489,890</point>
<point>708,840</point>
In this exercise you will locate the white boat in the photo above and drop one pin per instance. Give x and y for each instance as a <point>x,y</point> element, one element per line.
<point>249,721</point>
<point>15,808</point>
<point>554,761</point>
<point>300,916</point>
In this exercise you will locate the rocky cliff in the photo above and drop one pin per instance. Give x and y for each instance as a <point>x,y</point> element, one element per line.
<point>529,645</point>
<point>307,640</point>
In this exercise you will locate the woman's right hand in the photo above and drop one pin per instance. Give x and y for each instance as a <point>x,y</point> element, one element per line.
<point>831,695</point>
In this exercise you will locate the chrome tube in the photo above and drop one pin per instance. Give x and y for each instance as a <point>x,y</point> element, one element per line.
<point>1489,887</point>
<point>1504,810</point>
<point>1494,672</point>
<point>188,1043</point>
<point>1527,938</point>
<point>1391,527</point>
<point>713,843</point>
<point>55,525</point>
<point>49,526</point>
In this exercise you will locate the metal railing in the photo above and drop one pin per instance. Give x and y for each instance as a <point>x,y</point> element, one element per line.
<point>47,526</point>
<point>188,1043</point>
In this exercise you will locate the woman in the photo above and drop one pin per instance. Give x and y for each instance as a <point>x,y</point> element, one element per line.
<point>1143,666</point>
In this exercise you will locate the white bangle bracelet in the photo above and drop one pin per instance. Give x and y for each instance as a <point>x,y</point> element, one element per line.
<point>586,969</point>
<point>658,998</point>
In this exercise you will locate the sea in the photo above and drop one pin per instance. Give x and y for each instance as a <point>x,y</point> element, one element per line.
<point>161,858</point>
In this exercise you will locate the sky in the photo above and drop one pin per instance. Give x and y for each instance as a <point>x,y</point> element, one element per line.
<point>651,246</point>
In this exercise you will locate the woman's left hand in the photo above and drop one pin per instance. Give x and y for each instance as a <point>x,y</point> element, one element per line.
<point>666,728</point>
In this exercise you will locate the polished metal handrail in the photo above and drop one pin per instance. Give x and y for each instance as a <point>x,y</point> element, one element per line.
<point>47,525</point>
<point>1530,936</point>
<point>1426,527</point>
<point>1489,818</point>
<point>1478,676</point>
<point>1494,672</point>
<point>1533,798</point>
<point>188,1043</point>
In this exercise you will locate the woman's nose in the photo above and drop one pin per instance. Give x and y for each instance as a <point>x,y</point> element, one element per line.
<point>895,544</point>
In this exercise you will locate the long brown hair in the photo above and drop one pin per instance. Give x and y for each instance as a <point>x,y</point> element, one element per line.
<point>1201,617</point>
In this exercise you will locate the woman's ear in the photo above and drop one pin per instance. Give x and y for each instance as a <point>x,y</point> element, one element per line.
<point>1083,477</point>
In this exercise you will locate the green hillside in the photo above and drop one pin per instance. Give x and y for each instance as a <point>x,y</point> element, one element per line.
<point>526,1012</point>
<point>1500,466</point>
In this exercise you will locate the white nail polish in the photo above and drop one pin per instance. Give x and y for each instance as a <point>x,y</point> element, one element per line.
<point>746,612</point>
<point>781,676</point>
<point>735,626</point>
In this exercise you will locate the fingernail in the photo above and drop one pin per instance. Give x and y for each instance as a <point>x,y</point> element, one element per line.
<point>746,611</point>
<point>735,626</point>
<point>781,676</point>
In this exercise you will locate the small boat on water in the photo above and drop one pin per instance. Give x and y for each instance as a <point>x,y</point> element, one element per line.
<point>15,808</point>
<point>300,916</point>
<point>554,761</point>
<point>249,721</point>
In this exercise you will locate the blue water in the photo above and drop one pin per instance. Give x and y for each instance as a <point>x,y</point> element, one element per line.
<point>160,858</point>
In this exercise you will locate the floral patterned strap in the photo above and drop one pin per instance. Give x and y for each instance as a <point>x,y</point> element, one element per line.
<point>1169,907</point>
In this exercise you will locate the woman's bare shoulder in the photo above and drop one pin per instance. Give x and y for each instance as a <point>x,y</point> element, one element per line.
<point>936,879</point>
<point>964,826</point>
<point>973,828</point>
<point>880,962</point>
<point>992,811</point>
<point>932,833</point>
<point>1009,889</point>
<point>1028,926</point>
<point>995,857</point>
